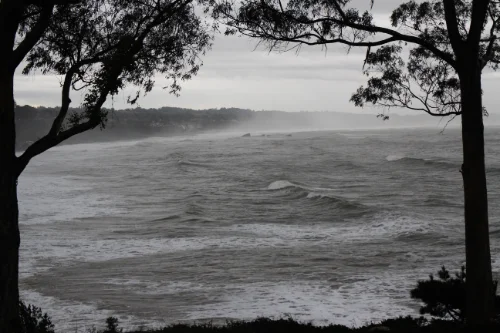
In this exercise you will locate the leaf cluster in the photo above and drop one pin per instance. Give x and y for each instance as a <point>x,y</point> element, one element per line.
<point>422,83</point>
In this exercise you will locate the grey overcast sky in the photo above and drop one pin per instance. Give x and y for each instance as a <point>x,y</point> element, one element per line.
<point>234,74</point>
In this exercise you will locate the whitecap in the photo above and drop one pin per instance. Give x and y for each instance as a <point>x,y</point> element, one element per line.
<point>281,184</point>
<point>314,195</point>
<point>395,157</point>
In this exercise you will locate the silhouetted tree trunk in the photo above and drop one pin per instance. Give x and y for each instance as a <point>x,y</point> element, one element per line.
<point>9,214</point>
<point>9,252</point>
<point>479,279</point>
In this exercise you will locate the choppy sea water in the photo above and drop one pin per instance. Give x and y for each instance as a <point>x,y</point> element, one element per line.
<point>328,227</point>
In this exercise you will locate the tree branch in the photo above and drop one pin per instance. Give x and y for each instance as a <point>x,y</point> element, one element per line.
<point>479,11</point>
<point>54,137</point>
<point>339,10</point>
<point>33,36</point>
<point>321,40</point>
<point>65,102</point>
<point>488,55</point>
<point>51,2</point>
<point>450,15</point>
<point>50,141</point>
<point>343,22</point>
<point>397,35</point>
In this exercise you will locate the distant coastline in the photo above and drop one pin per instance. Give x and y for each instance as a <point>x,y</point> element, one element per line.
<point>33,123</point>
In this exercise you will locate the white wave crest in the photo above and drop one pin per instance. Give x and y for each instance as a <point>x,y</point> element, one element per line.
<point>395,157</point>
<point>281,184</point>
<point>314,195</point>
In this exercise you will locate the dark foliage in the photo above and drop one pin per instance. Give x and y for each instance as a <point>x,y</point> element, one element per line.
<point>112,325</point>
<point>266,325</point>
<point>33,320</point>
<point>445,297</point>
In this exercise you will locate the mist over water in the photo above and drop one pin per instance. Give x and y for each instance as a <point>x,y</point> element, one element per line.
<point>328,227</point>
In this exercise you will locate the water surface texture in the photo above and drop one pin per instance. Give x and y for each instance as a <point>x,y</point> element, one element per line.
<point>328,227</point>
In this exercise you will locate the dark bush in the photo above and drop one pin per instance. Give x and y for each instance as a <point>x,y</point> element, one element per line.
<point>33,320</point>
<point>445,297</point>
<point>404,324</point>
<point>112,325</point>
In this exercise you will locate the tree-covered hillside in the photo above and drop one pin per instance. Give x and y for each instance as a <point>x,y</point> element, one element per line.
<point>34,122</point>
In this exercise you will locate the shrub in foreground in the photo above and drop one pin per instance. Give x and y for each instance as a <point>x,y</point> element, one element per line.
<point>41,324</point>
<point>33,320</point>
<point>265,325</point>
<point>445,297</point>
<point>112,325</point>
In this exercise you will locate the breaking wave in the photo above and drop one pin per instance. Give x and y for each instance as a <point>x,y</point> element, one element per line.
<point>281,184</point>
<point>319,196</point>
<point>421,161</point>
<point>391,158</point>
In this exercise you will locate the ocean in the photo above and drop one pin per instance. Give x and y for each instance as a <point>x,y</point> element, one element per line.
<point>324,227</point>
